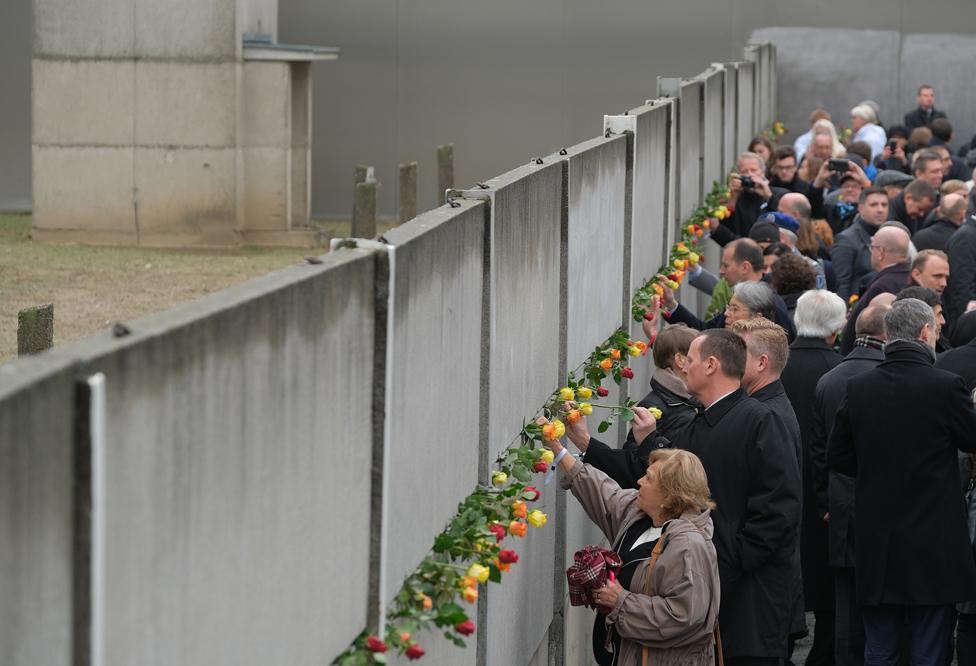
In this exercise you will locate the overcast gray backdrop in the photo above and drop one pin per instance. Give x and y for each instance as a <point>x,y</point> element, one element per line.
<point>506,80</point>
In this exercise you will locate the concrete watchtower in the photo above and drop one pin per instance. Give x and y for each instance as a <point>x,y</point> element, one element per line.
<point>170,123</point>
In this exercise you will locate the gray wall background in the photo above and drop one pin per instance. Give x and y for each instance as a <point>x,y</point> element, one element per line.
<point>509,80</point>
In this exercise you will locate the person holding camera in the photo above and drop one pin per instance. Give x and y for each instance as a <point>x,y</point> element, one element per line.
<point>847,180</point>
<point>751,196</point>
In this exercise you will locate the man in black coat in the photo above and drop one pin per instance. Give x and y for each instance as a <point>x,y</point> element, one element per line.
<point>833,492</point>
<point>819,317</point>
<point>755,482</point>
<point>742,261</point>
<point>961,361</point>
<point>851,254</point>
<point>912,205</point>
<point>961,249</point>
<point>889,258</point>
<point>914,558</point>
<point>767,353</point>
<point>951,214</point>
<point>747,201</point>
<point>923,114</point>
<point>668,394</point>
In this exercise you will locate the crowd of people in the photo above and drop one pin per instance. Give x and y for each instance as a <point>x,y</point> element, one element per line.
<point>817,430</point>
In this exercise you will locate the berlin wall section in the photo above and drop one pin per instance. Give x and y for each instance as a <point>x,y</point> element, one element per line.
<point>524,366</point>
<point>37,512</point>
<point>434,381</point>
<point>236,501</point>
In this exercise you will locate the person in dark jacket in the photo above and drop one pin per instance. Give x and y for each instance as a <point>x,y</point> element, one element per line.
<point>923,114</point>
<point>820,315</point>
<point>851,253</point>
<point>951,215</point>
<point>755,482</point>
<point>767,353</point>
<point>742,261</point>
<point>668,394</point>
<point>913,203</point>
<point>834,492</point>
<point>961,249</point>
<point>889,257</point>
<point>747,202</point>
<point>914,557</point>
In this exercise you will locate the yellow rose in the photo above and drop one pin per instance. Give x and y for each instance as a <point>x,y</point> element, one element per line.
<point>566,393</point>
<point>560,429</point>
<point>499,478</point>
<point>655,412</point>
<point>586,408</point>
<point>584,393</point>
<point>537,518</point>
<point>634,351</point>
<point>480,573</point>
<point>547,456</point>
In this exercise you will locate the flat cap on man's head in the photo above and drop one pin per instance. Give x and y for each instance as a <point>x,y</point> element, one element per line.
<point>891,177</point>
<point>781,220</point>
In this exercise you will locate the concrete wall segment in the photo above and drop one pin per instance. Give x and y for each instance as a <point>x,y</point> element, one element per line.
<point>186,29</point>
<point>36,511</point>
<point>435,381</point>
<point>218,473</point>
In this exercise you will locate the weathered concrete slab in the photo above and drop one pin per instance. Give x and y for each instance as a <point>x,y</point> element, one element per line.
<point>186,104</point>
<point>434,381</point>
<point>746,111</point>
<point>523,364</point>
<point>237,468</point>
<point>596,171</point>
<point>730,127</point>
<point>83,187</point>
<point>36,511</point>
<point>204,29</point>
<point>713,125</point>
<point>186,191</point>
<point>653,201</point>
<point>98,93</point>
<point>690,185</point>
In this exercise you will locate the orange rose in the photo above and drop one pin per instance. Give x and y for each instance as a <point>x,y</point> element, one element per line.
<point>517,529</point>
<point>606,364</point>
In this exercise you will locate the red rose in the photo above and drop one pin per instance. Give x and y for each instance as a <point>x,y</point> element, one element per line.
<point>507,557</point>
<point>628,373</point>
<point>530,493</point>
<point>540,466</point>
<point>465,628</point>
<point>414,652</point>
<point>498,531</point>
<point>374,644</point>
<point>649,316</point>
<point>602,392</point>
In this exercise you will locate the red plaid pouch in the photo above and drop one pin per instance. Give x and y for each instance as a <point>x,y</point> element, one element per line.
<point>590,570</point>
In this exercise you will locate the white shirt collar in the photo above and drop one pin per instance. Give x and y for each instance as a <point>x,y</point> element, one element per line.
<point>720,399</point>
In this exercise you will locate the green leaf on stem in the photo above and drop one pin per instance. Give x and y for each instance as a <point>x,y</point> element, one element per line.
<point>603,427</point>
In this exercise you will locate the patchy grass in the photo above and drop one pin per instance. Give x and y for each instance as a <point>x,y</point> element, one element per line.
<point>92,287</point>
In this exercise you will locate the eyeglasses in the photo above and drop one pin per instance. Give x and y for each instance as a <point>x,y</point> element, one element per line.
<point>735,309</point>
<point>873,246</point>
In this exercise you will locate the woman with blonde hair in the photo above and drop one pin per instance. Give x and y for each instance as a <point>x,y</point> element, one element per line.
<point>824,126</point>
<point>663,607</point>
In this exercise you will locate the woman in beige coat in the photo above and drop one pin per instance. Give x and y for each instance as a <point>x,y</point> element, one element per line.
<point>671,619</point>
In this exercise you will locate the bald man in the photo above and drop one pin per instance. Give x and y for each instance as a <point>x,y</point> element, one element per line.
<point>951,214</point>
<point>893,271</point>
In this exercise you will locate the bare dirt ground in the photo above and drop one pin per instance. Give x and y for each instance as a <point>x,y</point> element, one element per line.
<point>93,287</point>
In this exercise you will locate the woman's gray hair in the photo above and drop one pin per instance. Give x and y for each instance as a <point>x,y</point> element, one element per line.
<point>905,319</point>
<point>819,314</point>
<point>866,112</point>
<point>757,296</point>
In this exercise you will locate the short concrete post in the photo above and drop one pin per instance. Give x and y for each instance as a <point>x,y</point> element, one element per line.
<point>445,170</point>
<point>35,329</point>
<point>364,210</point>
<point>408,192</point>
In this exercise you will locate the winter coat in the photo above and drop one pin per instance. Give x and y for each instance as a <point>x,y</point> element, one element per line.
<point>934,236</point>
<point>851,256</point>
<point>677,621</point>
<point>748,207</point>
<point>810,359</point>
<point>898,432</point>
<point>755,482</point>
<point>961,361</point>
<point>628,464</point>
<point>918,117</point>
<point>888,280</point>
<point>961,249</point>
<point>834,492</point>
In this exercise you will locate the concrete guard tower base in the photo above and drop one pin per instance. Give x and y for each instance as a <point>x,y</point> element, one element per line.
<point>170,124</point>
